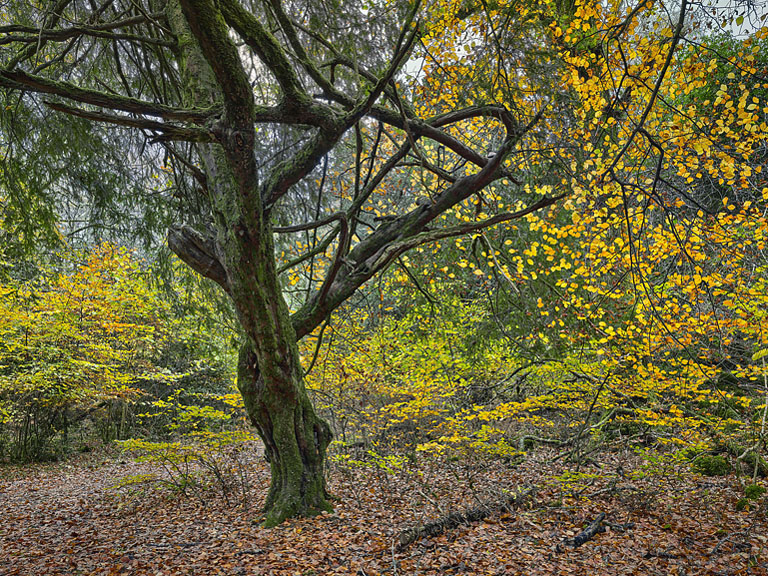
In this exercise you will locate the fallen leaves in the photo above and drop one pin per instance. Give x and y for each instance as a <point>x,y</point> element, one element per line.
<point>65,519</point>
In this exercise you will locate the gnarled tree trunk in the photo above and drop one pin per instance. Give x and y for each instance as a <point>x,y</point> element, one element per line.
<point>270,375</point>
<point>295,440</point>
<point>241,259</point>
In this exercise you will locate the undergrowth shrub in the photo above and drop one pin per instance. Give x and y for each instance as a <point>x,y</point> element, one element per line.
<point>406,384</point>
<point>432,379</point>
<point>209,446</point>
<point>714,465</point>
<point>72,348</point>
<point>85,346</point>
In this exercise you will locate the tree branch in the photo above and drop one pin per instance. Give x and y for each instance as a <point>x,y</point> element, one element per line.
<point>267,48</point>
<point>394,250</point>
<point>199,252</point>
<point>168,131</point>
<point>677,34</point>
<point>290,32</point>
<point>310,225</point>
<point>292,170</point>
<point>289,172</point>
<point>31,35</point>
<point>394,238</point>
<point>51,19</point>
<point>19,80</point>
<point>338,259</point>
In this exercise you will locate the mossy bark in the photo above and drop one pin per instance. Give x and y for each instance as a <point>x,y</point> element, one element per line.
<point>270,376</point>
<point>295,440</point>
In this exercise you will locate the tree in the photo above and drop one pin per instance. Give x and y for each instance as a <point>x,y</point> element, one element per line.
<point>271,112</point>
<point>74,345</point>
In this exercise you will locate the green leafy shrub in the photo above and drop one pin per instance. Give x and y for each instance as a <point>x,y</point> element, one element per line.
<point>207,450</point>
<point>711,465</point>
<point>754,491</point>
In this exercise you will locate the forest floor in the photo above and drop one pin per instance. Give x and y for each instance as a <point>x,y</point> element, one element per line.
<point>68,518</point>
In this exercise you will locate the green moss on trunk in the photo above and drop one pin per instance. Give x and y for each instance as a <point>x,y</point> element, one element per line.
<point>295,440</point>
<point>269,372</point>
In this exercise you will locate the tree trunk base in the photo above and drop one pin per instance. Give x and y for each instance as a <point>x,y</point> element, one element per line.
<point>295,439</point>
<point>291,506</point>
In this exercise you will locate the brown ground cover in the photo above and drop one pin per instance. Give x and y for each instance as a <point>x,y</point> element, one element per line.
<point>68,518</point>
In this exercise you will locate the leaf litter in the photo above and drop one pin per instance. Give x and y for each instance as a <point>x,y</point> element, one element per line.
<point>70,519</point>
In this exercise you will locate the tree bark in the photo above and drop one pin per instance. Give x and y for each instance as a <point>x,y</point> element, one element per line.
<point>295,440</point>
<point>241,259</point>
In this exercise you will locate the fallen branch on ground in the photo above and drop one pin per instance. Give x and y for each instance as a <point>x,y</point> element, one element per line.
<point>660,554</point>
<point>456,519</point>
<point>587,534</point>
